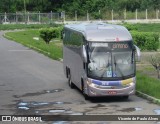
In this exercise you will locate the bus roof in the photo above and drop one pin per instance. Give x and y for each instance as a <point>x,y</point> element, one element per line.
<point>101,32</point>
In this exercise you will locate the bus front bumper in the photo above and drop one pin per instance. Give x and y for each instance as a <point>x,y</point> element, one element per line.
<point>94,91</point>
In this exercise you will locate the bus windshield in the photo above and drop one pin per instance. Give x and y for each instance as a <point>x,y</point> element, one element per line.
<point>111,60</point>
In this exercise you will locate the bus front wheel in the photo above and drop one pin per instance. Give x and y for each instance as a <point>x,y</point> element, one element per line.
<point>83,92</point>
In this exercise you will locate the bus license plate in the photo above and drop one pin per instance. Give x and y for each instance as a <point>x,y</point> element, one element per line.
<point>112,92</point>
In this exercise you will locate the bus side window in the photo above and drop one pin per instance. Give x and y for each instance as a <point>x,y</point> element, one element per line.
<point>76,39</point>
<point>67,37</point>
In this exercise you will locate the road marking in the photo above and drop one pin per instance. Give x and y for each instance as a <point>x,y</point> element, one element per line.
<point>19,50</point>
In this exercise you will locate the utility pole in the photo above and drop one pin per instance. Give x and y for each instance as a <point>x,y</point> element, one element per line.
<point>146,14</point>
<point>76,16</point>
<point>112,14</point>
<point>87,16</point>
<point>136,14</point>
<point>25,11</point>
<point>125,15</point>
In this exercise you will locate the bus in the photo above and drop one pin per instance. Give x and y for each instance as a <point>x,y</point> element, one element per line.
<point>100,59</point>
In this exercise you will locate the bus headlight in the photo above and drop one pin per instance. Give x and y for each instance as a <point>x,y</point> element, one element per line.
<point>89,82</point>
<point>131,84</point>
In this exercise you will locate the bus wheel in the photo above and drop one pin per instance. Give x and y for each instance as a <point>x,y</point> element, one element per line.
<point>70,82</point>
<point>84,94</point>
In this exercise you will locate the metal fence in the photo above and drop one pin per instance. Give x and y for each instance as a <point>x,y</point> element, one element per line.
<point>28,17</point>
<point>111,15</point>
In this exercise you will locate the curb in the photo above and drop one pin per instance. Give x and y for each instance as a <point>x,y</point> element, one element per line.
<point>28,45</point>
<point>150,98</point>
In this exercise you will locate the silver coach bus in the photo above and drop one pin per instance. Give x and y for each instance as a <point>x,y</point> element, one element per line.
<point>99,59</point>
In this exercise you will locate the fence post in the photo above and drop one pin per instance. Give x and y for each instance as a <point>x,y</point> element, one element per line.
<point>146,14</point>
<point>87,16</point>
<point>28,18</point>
<point>64,17</point>
<point>39,17</point>
<point>76,16</point>
<point>125,14</point>
<point>51,16</point>
<point>16,18</point>
<point>157,14</point>
<point>5,17</point>
<point>136,14</point>
<point>100,15</point>
<point>112,14</point>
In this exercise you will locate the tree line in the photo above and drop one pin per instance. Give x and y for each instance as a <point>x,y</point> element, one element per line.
<point>80,6</point>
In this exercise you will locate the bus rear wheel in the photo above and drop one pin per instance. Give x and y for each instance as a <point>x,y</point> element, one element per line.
<point>70,82</point>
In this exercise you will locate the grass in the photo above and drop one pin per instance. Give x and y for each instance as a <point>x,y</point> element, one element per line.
<point>148,85</point>
<point>145,84</point>
<point>53,50</point>
<point>25,26</point>
<point>148,27</point>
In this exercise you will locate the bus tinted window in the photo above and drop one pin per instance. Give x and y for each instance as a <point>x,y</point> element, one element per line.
<point>73,38</point>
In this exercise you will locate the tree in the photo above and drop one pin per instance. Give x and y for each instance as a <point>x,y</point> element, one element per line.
<point>46,35</point>
<point>155,61</point>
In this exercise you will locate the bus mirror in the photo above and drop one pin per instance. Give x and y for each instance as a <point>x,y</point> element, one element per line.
<point>138,54</point>
<point>84,54</point>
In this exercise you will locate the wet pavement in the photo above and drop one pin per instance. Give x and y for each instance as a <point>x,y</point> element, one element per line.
<point>32,84</point>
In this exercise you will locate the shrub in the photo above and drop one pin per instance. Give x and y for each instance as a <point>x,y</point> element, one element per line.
<point>131,27</point>
<point>48,34</point>
<point>146,40</point>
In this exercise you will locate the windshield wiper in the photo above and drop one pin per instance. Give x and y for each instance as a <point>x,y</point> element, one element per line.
<point>115,63</point>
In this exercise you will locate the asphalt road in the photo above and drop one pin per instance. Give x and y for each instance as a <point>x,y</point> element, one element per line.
<point>31,83</point>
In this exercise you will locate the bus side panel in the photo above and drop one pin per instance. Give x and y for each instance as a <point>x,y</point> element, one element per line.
<point>72,60</point>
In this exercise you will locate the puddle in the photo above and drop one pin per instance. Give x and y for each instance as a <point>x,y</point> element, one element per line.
<point>25,108</point>
<point>98,106</point>
<point>39,103</point>
<point>138,109</point>
<point>76,113</point>
<point>157,111</point>
<point>131,109</point>
<point>60,122</point>
<point>53,91</point>
<point>22,104</point>
<point>59,102</point>
<point>66,112</point>
<point>57,111</point>
<point>39,93</point>
<point>33,105</point>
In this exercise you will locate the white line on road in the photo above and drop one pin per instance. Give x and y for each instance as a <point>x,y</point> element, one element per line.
<point>19,50</point>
